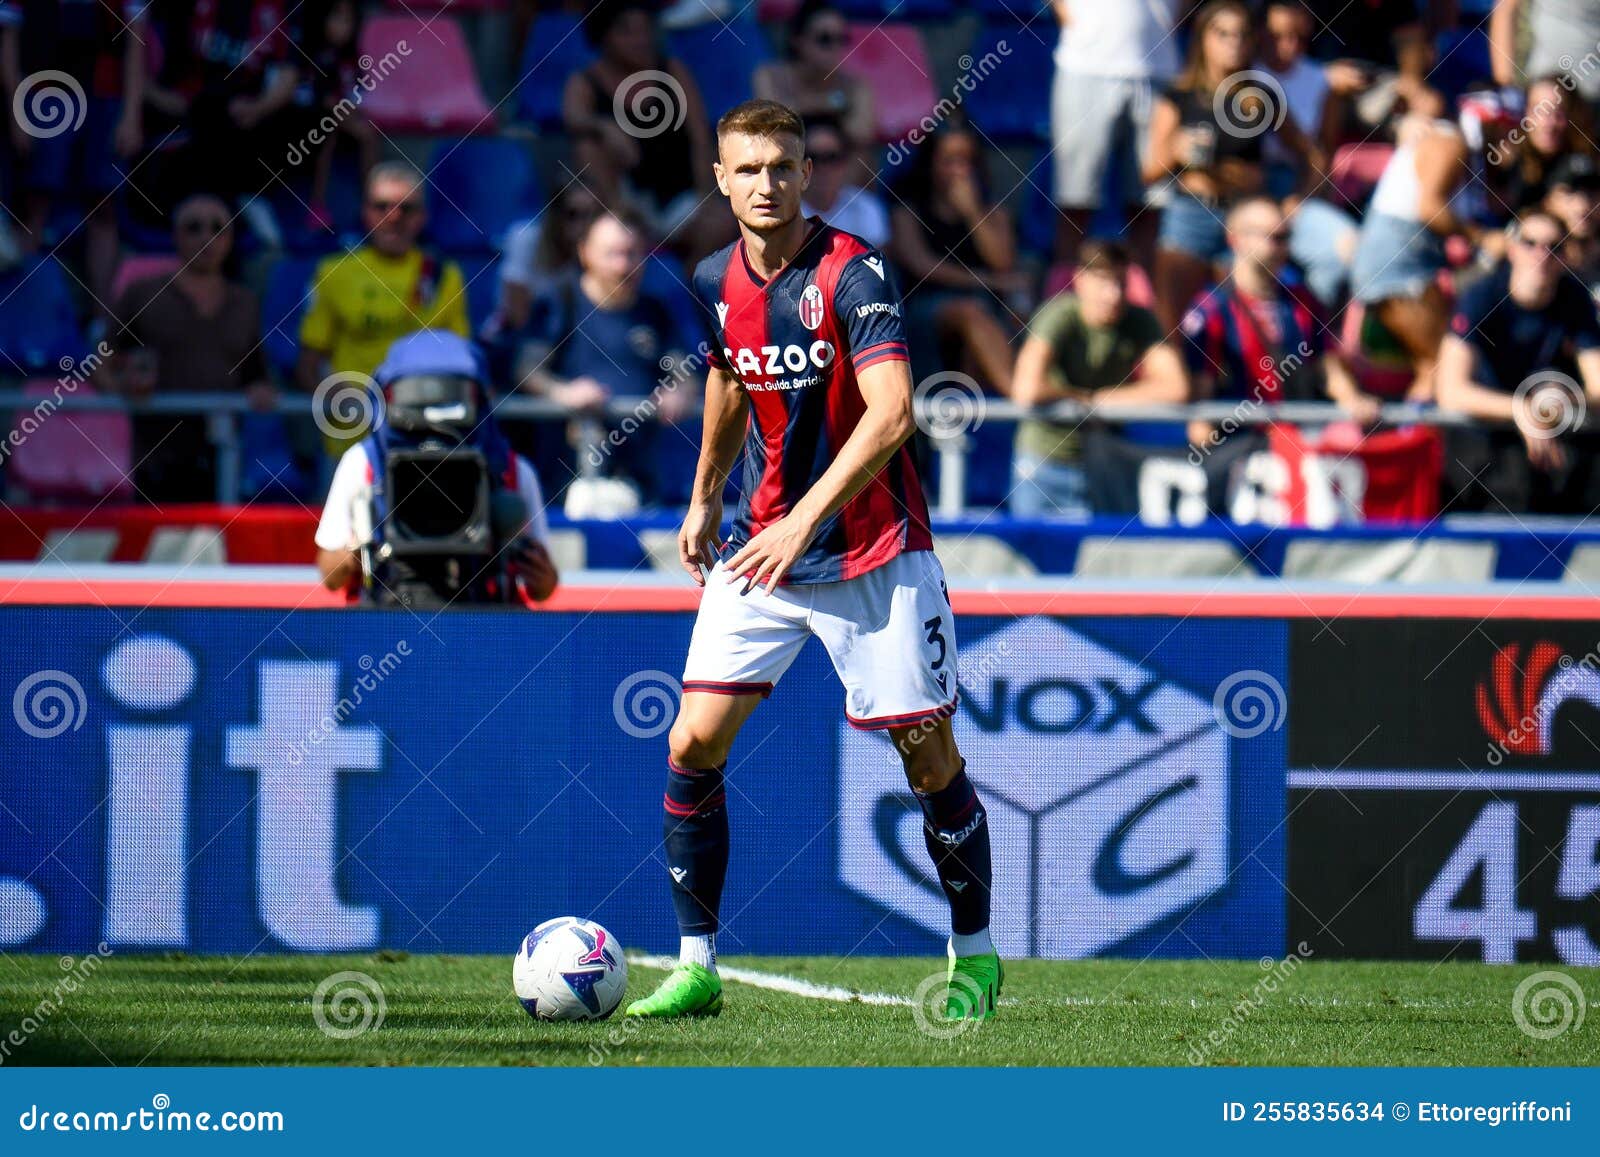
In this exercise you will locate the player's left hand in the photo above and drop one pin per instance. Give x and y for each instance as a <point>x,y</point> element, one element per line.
<point>769,555</point>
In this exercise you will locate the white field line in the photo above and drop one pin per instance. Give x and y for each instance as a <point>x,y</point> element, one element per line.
<point>776,982</point>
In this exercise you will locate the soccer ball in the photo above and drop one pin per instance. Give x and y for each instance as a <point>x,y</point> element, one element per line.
<point>569,969</point>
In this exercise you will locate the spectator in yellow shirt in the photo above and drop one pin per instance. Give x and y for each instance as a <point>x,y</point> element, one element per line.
<point>364,300</point>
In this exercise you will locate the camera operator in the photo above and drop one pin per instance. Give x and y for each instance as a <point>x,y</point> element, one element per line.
<point>433,508</point>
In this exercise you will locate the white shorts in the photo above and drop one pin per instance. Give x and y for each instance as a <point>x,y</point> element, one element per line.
<point>890,633</point>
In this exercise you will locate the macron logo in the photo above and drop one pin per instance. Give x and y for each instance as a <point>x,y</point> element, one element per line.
<point>678,873</point>
<point>875,264</point>
<point>722,313</point>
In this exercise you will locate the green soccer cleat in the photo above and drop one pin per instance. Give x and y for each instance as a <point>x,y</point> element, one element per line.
<point>974,987</point>
<point>688,990</point>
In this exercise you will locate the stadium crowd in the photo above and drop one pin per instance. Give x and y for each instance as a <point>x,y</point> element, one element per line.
<point>1101,203</point>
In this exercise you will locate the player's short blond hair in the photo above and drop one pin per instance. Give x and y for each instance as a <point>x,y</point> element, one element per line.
<point>761,118</point>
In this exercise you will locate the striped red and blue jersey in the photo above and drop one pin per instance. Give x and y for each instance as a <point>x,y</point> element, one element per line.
<point>1253,347</point>
<point>796,344</point>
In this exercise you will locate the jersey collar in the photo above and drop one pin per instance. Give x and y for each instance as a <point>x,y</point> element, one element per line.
<point>815,227</point>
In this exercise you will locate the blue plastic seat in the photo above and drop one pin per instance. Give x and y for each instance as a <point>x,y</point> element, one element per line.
<point>722,58</point>
<point>477,188</point>
<point>1003,109</point>
<point>38,322</point>
<point>555,49</point>
<point>282,306</point>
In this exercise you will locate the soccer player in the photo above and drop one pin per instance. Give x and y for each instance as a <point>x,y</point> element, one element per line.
<point>810,376</point>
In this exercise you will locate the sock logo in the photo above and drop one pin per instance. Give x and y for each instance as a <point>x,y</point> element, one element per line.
<point>959,885</point>
<point>956,838</point>
<point>678,873</point>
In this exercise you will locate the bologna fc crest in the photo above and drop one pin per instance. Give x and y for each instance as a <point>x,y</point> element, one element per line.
<point>811,307</point>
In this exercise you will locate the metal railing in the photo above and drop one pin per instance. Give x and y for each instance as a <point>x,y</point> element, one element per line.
<point>947,426</point>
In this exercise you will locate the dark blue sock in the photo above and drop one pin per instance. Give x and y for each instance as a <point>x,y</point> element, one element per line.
<point>957,833</point>
<point>695,831</point>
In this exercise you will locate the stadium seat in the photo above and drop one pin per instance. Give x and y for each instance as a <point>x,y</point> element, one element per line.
<point>1463,61</point>
<point>38,322</point>
<point>876,10</point>
<point>555,49</point>
<point>893,61</point>
<point>1006,111</point>
<point>476,189</point>
<point>72,455</point>
<point>437,91</point>
<point>283,304</point>
<point>1140,290</point>
<point>482,276</point>
<point>705,50</point>
<point>139,267</point>
<point>1356,169</point>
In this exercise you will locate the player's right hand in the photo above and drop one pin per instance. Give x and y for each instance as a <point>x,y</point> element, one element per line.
<point>699,539</point>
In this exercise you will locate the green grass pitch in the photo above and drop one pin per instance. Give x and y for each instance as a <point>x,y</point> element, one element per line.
<point>460,1011</point>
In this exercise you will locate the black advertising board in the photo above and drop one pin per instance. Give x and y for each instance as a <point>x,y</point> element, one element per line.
<point>1444,789</point>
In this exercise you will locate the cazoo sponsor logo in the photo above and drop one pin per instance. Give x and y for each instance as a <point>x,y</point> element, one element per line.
<point>1106,786</point>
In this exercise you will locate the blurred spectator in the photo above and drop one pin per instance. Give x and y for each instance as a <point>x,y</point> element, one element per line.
<point>642,134</point>
<point>1368,31</point>
<point>1557,30</point>
<point>1107,58</point>
<point>1406,90</point>
<point>832,196</point>
<point>540,250</point>
<point>594,335</point>
<point>101,45</point>
<point>194,331</point>
<point>364,300</point>
<point>1208,131</point>
<point>229,72</point>
<point>812,82</point>
<point>1573,199</point>
<point>1088,346</point>
<point>1514,337</point>
<point>1257,340</point>
<point>1401,252</point>
<point>333,46</point>
<point>1312,90</point>
<point>960,250</point>
<point>1556,124</point>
